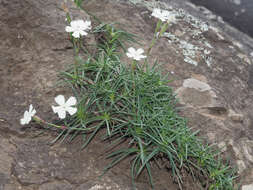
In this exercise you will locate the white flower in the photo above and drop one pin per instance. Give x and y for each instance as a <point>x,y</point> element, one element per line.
<point>164,15</point>
<point>28,115</point>
<point>171,18</point>
<point>135,54</point>
<point>160,14</point>
<point>64,106</point>
<point>79,28</point>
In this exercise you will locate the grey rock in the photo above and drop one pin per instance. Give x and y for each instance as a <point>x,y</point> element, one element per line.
<point>196,84</point>
<point>247,187</point>
<point>56,186</point>
<point>34,47</point>
<point>235,116</point>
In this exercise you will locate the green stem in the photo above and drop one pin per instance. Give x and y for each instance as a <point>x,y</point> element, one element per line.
<point>68,17</point>
<point>163,29</point>
<point>41,121</point>
<point>76,52</point>
<point>158,26</point>
<point>133,66</point>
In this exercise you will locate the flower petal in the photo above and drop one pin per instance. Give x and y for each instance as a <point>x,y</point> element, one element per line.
<point>129,55</point>
<point>27,117</point>
<point>83,33</point>
<point>55,108</point>
<point>71,110</point>
<point>142,56</point>
<point>69,29</point>
<point>60,99</point>
<point>76,34</point>
<point>28,120</point>
<point>140,51</point>
<point>22,121</point>
<point>30,108</point>
<point>33,112</point>
<point>131,50</point>
<point>155,12</point>
<point>86,25</point>
<point>71,101</point>
<point>61,113</point>
<point>74,23</point>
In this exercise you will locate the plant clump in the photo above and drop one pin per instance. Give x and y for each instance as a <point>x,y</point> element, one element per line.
<point>134,105</point>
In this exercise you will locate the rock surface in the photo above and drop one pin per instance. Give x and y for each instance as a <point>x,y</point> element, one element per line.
<point>247,187</point>
<point>211,74</point>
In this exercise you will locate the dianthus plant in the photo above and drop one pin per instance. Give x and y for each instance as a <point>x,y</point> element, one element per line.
<point>134,109</point>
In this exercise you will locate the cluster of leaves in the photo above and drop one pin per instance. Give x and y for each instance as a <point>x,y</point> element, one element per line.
<point>138,107</point>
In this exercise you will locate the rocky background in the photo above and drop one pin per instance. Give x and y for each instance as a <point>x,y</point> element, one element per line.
<point>236,12</point>
<point>208,62</point>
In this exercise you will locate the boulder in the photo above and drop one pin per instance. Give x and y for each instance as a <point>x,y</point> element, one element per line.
<point>211,73</point>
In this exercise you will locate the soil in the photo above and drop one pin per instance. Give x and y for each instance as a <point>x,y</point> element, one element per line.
<point>34,48</point>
